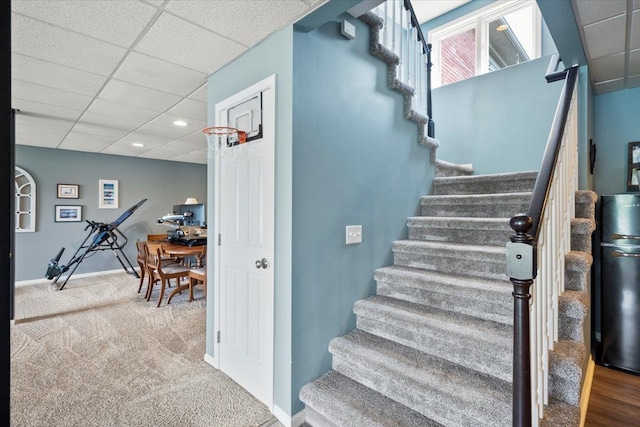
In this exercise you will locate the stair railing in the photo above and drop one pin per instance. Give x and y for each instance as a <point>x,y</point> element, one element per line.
<point>537,251</point>
<point>402,35</point>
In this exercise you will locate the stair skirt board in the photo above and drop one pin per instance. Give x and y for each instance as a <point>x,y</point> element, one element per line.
<point>433,346</point>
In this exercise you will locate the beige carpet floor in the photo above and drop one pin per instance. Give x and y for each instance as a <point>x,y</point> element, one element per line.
<point>98,354</point>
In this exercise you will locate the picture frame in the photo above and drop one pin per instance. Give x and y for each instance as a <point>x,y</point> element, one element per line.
<point>633,166</point>
<point>108,194</point>
<point>68,191</point>
<point>68,213</point>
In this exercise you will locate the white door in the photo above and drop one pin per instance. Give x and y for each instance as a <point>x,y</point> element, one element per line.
<point>246,197</point>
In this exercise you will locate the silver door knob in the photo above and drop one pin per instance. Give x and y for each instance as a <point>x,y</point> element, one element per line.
<point>262,263</point>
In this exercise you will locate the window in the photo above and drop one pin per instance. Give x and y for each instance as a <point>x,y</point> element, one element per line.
<point>497,36</point>
<point>25,192</point>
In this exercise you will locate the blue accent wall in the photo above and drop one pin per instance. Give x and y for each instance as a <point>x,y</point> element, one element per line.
<point>272,56</point>
<point>498,121</point>
<point>615,125</point>
<point>162,183</point>
<point>356,160</point>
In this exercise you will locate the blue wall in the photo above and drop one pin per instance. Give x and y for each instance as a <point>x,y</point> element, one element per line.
<point>162,183</point>
<point>356,160</point>
<point>615,125</point>
<point>272,56</point>
<point>498,121</point>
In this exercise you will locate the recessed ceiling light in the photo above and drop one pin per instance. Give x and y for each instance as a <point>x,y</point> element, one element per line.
<point>502,27</point>
<point>137,144</point>
<point>180,123</point>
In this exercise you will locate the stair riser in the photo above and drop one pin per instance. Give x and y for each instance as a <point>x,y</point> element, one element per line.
<point>564,390</point>
<point>474,210</point>
<point>463,351</point>
<point>498,310</point>
<point>313,418</point>
<point>456,235</point>
<point>426,400</point>
<point>570,329</point>
<point>454,263</point>
<point>481,186</point>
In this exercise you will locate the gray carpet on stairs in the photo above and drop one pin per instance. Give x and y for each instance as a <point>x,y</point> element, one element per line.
<point>435,342</point>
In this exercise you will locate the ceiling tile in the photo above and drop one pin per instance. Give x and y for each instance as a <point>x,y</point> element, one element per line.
<point>116,122</point>
<point>597,10</point>
<point>634,81</point>
<point>116,21</point>
<point>32,108</point>
<point>190,109</point>
<point>48,95</point>
<point>60,46</point>
<point>180,42</point>
<point>635,32</point>
<point>163,131</point>
<point>166,121</point>
<point>156,3</point>
<point>138,96</point>
<point>201,94</point>
<point>610,86</point>
<point>246,22</point>
<point>149,141</point>
<point>184,145</point>
<point>161,154</point>
<point>83,142</point>
<point>57,76</point>
<point>155,73</point>
<point>199,156</point>
<point>44,122</point>
<point>605,37</point>
<point>124,150</point>
<point>607,68</point>
<point>634,62</point>
<point>123,111</point>
<point>38,136</point>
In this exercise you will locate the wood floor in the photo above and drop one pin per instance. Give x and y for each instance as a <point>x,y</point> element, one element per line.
<point>615,399</point>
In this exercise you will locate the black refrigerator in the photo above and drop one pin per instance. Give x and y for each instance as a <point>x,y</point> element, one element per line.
<point>618,291</point>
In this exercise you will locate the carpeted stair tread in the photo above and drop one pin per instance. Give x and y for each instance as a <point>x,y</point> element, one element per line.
<point>486,231</point>
<point>442,391</point>
<point>484,184</point>
<point>476,205</point>
<point>560,414</point>
<point>344,402</point>
<point>477,344</point>
<point>487,262</point>
<point>485,299</point>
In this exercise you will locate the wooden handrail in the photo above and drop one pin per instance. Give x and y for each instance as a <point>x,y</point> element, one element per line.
<point>550,157</point>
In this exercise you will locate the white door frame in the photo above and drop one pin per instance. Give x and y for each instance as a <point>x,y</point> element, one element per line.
<point>268,83</point>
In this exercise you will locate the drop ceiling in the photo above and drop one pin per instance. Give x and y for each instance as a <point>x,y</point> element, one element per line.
<point>610,34</point>
<point>101,75</point>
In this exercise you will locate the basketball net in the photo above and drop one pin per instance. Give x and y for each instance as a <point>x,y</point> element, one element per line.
<point>221,140</point>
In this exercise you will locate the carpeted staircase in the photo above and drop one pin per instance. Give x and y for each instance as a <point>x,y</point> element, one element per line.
<point>433,346</point>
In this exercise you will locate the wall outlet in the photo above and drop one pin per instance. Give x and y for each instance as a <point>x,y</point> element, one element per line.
<point>354,234</point>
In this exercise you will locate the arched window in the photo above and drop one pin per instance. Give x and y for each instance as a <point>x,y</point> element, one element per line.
<point>25,187</point>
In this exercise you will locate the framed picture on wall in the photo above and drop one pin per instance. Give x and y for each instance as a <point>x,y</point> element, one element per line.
<point>633,166</point>
<point>68,191</point>
<point>68,213</point>
<point>108,194</point>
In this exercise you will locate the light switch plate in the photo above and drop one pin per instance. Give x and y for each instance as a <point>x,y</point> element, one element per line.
<point>354,234</point>
<point>348,30</point>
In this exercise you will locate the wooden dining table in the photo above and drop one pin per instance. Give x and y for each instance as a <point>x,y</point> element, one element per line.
<point>176,250</point>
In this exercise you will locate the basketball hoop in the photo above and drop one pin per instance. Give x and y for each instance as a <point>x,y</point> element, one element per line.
<point>222,139</point>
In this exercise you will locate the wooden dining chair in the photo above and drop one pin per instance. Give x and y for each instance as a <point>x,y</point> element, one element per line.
<point>198,275</point>
<point>142,262</point>
<point>162,270</point>
<point>157,237</point>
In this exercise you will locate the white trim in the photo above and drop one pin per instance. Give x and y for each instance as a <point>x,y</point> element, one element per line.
<point>289,421</point>
<point>214,268</point>
<point>479,20</point>
<point>211,360</point>
<point>75,276</point>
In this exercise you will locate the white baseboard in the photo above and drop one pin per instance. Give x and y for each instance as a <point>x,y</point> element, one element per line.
<point>75,276</point>
<point>586,391</point>
<point>210,360</point>
<point>289,421</point>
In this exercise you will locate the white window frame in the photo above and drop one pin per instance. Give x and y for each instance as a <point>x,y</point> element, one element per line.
<point>480,20</point>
